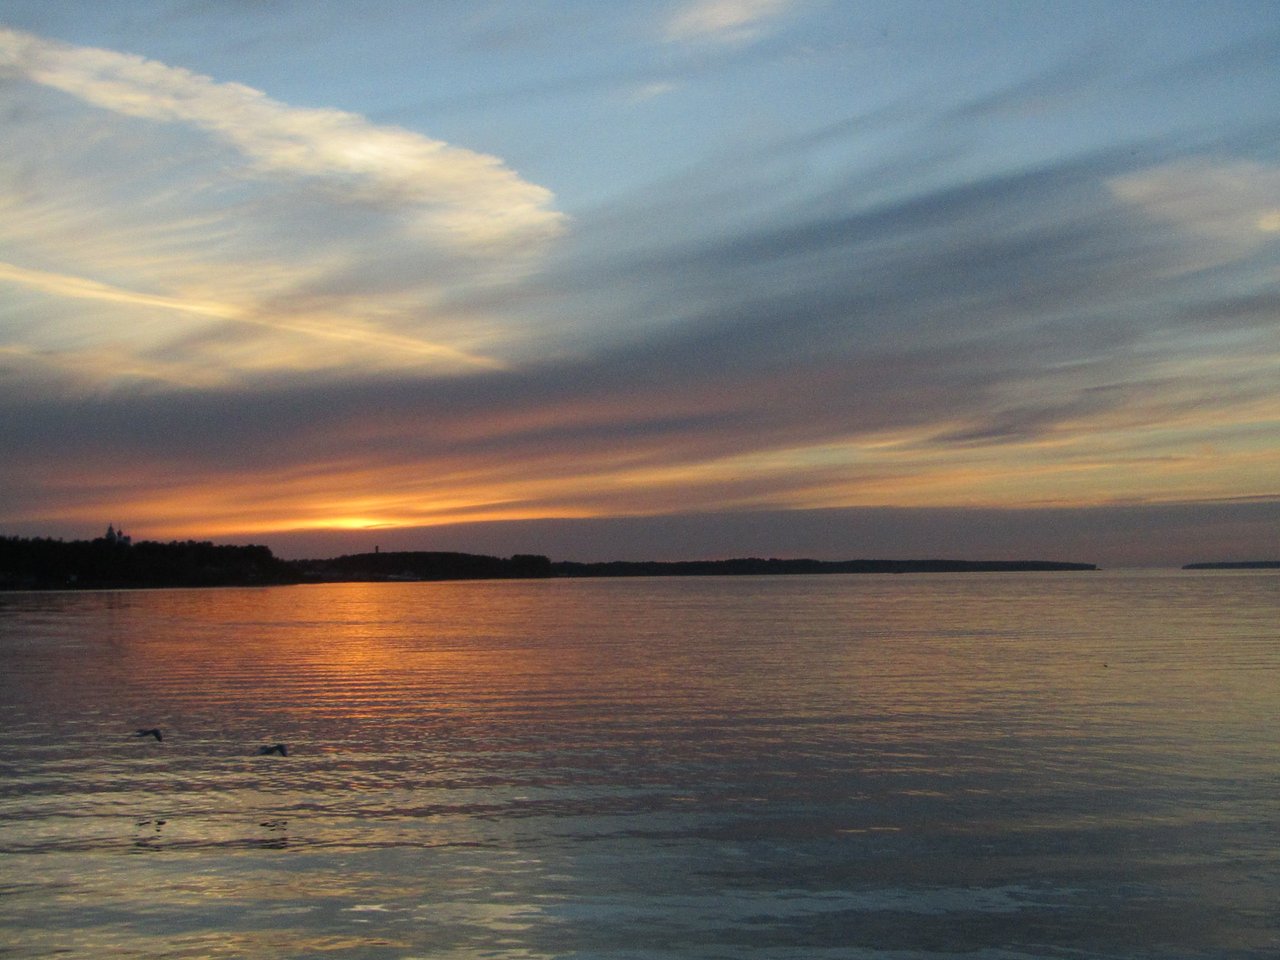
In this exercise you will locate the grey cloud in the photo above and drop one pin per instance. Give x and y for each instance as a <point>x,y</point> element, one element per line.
<point>1057,85</point>
<point>945,301</point>
<point>979,263</point>
<point>1251,311</point>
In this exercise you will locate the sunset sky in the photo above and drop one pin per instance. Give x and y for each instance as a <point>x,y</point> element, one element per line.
<point>650,280</point>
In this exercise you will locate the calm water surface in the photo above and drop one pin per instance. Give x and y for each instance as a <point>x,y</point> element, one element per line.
<point>980,766</point>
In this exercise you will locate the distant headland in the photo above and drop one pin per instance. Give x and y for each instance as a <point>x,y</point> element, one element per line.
<point>115,561</point>
<point>1235,565</point>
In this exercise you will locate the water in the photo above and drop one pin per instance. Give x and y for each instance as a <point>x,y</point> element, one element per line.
<point>980,766</point>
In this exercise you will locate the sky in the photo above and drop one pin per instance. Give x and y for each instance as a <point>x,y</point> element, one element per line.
<point>671,280</point>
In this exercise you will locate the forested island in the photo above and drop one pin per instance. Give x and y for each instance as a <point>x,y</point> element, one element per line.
<point>114,561</point>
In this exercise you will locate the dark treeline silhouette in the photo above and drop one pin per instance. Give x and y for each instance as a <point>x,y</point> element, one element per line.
<point>754,566</point>
<point>424,565</point>
<point>42,563</point>
<point>1235,565</point>
<point>114,561</point>
<point>466,566</point>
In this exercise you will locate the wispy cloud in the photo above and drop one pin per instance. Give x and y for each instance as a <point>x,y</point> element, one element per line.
<point>649,91</point>
<point>1232,204</point>
<point>723,21</point>
<point>202,232</point>
<point>466,195</point>
<point>342,330</point>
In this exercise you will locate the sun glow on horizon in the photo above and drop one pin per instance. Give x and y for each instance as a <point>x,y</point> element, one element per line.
<point>905,476</point>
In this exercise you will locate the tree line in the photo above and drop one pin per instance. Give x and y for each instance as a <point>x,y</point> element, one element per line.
<point>43,563</point>
<point>114,561</point>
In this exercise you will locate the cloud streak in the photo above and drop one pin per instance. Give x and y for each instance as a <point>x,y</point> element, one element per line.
<point>188,231</point>
<point>346,330</point>
<point>1232,204</point>
<point>723,21</point>
<point>470,197</point>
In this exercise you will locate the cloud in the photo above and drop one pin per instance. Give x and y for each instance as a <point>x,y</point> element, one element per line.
<point>649,91</point>
<point>186,231</point>
<point>723,21</point>
<point>347,331</point>
<point>966,344</point>
<point>470,197</point>
<point>1233,204</point>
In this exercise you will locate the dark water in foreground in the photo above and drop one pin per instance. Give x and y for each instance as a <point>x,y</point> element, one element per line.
<point>980,766</point>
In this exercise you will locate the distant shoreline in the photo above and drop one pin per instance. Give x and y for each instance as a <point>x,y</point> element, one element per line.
<point>459,566</point>
<point>117,563</point>
<point>1235,565</point>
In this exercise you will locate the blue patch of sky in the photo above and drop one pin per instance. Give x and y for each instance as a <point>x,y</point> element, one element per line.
<point>592,101</point>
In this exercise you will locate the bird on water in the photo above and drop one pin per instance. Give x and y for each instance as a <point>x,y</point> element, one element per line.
<point>278,748</point>
<point>152,732</point>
